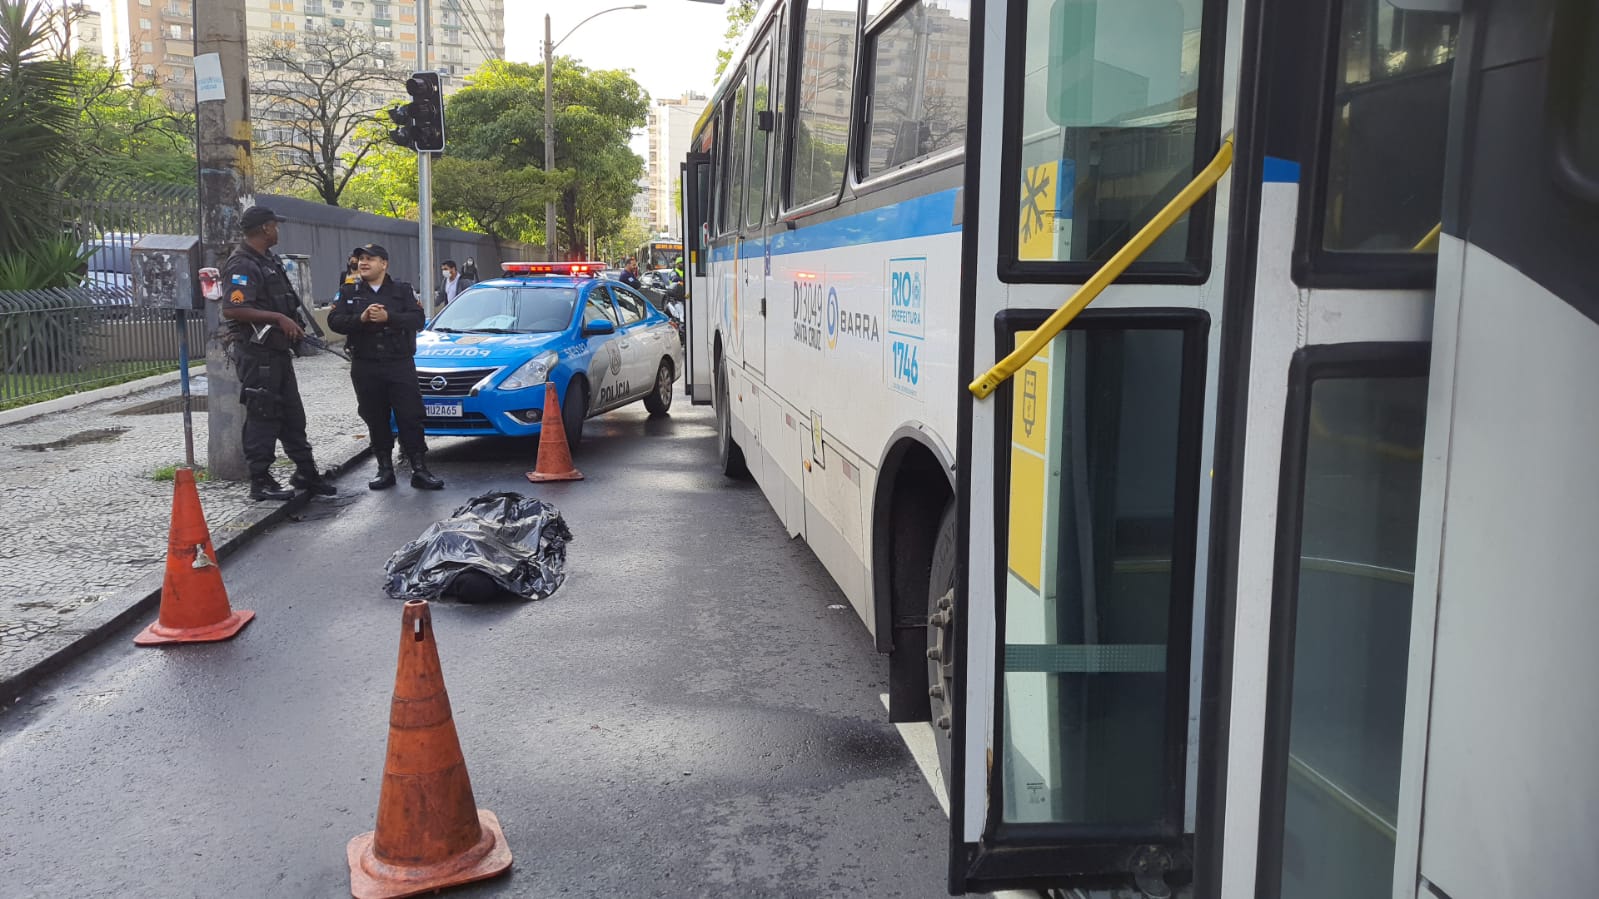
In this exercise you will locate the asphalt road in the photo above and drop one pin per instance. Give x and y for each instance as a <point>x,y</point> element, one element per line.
<point>694,713</point>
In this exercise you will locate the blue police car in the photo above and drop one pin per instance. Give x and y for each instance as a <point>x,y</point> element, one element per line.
<point>483,361</point>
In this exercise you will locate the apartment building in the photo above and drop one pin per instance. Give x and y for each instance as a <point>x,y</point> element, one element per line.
<point>155,38</point>
<point>670,126</point>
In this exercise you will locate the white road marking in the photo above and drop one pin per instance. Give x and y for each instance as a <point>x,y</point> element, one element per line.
<point>919,738</point>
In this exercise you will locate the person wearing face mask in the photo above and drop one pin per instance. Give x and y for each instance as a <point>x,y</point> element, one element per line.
<point>381,317</point>
<point>454,283</point>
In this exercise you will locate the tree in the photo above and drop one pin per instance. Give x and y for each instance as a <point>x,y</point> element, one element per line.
<point>385,179</point>
<point>499,117</point>
<point>36,121</point>
<point>311,96</point>
<point>739,17</point>
<point>499,200</point>
<point>125,129</point>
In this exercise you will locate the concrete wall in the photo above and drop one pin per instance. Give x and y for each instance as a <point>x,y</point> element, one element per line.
<point>328,233</point>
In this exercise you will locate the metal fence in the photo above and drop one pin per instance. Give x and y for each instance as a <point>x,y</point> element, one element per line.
<point>108,217</point>
<point>65,340</point>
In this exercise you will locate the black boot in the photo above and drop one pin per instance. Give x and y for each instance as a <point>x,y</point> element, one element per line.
<point>385,478</point>
<point>421,478</point>
<point>313,482</point>
<point>263,487</point>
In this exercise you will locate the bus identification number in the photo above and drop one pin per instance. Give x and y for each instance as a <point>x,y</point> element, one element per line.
<point>907,323</point>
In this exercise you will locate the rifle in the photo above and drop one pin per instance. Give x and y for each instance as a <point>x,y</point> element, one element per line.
<point>315,336</point>
<point>260,333</point>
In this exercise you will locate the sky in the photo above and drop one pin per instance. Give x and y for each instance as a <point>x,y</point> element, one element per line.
<point>670,45</point>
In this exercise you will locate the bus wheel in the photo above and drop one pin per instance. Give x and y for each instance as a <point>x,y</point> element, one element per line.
<point>727,451</point>
<point>941,637</point>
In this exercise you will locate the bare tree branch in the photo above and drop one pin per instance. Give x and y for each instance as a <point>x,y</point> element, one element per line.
<point>310,95</point>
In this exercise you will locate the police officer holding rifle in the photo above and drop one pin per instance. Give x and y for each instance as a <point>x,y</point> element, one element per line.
<point>381,317</point>
<point>264,322</point>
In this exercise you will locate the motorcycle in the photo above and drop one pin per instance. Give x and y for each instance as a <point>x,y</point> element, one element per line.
<point>673,304</point>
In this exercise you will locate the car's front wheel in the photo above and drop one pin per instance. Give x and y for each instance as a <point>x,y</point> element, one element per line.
<point>659,400</point>
<point>574,409</point>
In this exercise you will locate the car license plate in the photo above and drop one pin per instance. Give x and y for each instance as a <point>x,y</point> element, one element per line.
<point>441,409</point>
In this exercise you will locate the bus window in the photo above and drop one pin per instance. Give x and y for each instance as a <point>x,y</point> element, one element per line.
<point>1110,121</point>
<point>1585,123</point>
<point>1574,88</point>
<point>1341,626</point>
<point>1099,571</point>
<point>1384,194</point>
<point>918,84</point>
<point>733,159</point>
<point>818,147</point>
<point>760,101</point>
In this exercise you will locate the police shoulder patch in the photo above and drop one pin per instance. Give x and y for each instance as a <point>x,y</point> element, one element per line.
<point>236,297</point>
<point>241,280</point>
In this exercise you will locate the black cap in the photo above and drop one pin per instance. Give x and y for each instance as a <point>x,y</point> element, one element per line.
<point>371,249</point>
<point>256,216</point>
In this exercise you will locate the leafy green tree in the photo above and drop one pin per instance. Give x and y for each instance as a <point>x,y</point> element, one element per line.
<point>499,117</point>
<point>488,196</point>
<point>125,129</point>
<point>36,121</point>
<point>385,174</point>
<point>739,17</point>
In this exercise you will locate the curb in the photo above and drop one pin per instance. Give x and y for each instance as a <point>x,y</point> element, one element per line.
<point>144,596</point>
<point>85,397</point>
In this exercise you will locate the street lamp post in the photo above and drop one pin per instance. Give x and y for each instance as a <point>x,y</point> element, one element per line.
<point>551,244</point>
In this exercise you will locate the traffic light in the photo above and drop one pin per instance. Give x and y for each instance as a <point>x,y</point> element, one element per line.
<point>421,121</point>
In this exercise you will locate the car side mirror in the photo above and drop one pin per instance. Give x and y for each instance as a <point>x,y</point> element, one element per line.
<point>599,326</point>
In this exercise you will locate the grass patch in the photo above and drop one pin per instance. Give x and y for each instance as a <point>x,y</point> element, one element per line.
<point>170,472</point>
<point>25,390</point>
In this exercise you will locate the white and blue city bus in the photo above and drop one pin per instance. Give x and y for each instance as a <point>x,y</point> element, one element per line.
<point>1194,399</point>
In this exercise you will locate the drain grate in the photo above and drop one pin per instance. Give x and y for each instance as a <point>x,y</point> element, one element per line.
<point>168,406</point>
<point>97,435</point>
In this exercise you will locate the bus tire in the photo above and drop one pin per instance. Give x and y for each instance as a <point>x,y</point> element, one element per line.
<point>941,636</point>
<point>730,457</point>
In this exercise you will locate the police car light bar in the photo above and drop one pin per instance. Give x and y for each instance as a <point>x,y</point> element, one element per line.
<point>551,268</point>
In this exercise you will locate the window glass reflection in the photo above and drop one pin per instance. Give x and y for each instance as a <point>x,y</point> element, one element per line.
<point>1390,114</point>
<point>1089,601</point>
<point>1362,491</point>
<point>1110,96</point>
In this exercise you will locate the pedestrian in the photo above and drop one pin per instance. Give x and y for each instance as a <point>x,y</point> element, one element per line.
<point>264,322</point>
<point>381,317</point>
<point>630,274</point>
<point>454,283</point>
<point>350,274</point>
<point>469,269</point>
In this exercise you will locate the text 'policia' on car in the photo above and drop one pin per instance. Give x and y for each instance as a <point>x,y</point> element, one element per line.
<point>600,342</point>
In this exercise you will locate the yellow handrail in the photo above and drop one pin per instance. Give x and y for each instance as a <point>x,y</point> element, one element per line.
<point>1429,244</point>
<point>1107,273</point>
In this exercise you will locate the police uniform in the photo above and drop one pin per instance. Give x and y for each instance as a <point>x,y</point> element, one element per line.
<point>273,411</point>
<point>382,369</point>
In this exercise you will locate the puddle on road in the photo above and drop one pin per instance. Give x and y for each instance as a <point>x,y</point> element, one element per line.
<point>95,435</point>
<point>168,406</point>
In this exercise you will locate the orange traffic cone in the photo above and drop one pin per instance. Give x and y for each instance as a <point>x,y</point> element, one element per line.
<point>194,604</point>
<point>555,457</point>
<point>430,832</point>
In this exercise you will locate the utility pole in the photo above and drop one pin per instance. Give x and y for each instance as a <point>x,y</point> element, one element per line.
<point>227,188</point>
<point>550,241</point>
<point>424,175</point>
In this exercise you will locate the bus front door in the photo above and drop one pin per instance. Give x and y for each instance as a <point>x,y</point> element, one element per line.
<point>696,185</point>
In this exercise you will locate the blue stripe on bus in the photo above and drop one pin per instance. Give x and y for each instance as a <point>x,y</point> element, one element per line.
<point>918,217</point>
<point>1279,170</point>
